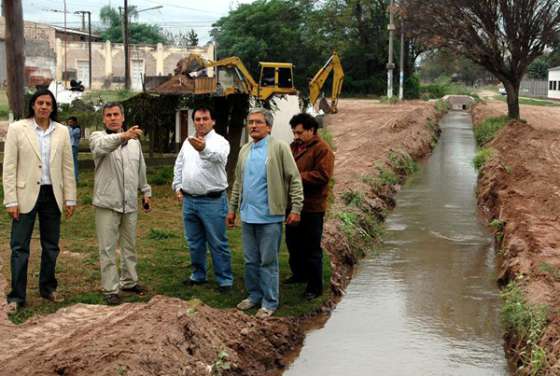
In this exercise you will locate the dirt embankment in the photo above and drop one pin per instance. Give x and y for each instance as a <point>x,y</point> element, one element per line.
<point>519,188</point>
<point>168,336</point>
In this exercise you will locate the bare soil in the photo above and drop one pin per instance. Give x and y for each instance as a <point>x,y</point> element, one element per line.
<point>521,187</point>
<point>168,336</point>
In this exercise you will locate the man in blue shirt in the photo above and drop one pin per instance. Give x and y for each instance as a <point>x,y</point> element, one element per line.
<point>75,136</point>
<point>267,182</point>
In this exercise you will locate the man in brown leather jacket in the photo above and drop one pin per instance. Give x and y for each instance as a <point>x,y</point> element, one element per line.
<point>315,162</point>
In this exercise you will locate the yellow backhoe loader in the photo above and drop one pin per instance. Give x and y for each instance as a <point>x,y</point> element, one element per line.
<point>275,78</point>
<point>316,84</point>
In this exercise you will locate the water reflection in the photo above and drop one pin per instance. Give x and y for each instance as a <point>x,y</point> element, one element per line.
<point>427,304</point>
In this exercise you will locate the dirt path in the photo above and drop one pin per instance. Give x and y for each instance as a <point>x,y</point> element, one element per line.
<point>169,336</point>
<point>520,187</point>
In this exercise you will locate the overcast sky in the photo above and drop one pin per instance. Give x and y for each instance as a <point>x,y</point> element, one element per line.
<point>175,16</point>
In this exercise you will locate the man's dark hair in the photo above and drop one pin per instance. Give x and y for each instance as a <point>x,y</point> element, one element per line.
<point>73,118</point>
<point>306,120</point>
<point>31,112</point>
<point>203,109</point>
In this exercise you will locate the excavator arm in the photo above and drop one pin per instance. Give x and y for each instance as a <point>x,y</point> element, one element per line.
<point>243,74</point>
<point>334,65</point>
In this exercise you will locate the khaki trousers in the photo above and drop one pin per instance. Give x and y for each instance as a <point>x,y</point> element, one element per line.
<point>112,227</point>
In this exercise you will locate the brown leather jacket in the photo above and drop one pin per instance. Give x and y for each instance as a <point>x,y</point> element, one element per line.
<point>315,161</point>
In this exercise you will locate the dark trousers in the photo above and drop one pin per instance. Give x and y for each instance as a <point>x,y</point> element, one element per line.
<point>49,227</point>
<point>304,247</point>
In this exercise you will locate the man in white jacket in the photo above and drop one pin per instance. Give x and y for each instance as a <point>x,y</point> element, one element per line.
<point>120,171</point>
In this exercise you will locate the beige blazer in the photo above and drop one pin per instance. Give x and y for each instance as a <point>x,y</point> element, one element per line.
<point>22,166</point>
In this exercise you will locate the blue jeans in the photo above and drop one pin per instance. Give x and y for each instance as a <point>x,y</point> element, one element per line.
<point>261,245</point>
<point>75,149</point>
<point>205,223</point>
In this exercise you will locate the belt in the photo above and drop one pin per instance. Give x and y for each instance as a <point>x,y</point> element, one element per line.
<point>214,194</point>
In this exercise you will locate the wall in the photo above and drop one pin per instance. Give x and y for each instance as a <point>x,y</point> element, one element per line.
<point>108,60</point>
<point>533,88</point>
<point>554,83</point>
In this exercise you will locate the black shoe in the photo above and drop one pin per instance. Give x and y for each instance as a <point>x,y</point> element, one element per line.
<point>190,282</point>
<point>112,299</point>
<point>224,289</point>
<point>136,289</point>
<point>293,280</point>
<point>308,295</point>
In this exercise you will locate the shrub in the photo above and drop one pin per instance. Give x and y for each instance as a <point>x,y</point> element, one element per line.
<point>161,175</point>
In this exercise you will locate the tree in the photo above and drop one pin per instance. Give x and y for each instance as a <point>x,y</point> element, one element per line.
<point>138,32</point>
<point>192,38</point>
<point>503,36</point>
<point>538,69</point>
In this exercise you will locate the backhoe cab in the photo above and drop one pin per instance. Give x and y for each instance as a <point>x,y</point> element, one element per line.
<point>274,79</point>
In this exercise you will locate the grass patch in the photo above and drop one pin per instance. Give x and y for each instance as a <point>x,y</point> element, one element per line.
<point>327,137</point>
<point>551,270</point>
<point>403,163</point>
<point>352,198</point>
<point>488,128</point>
<point>387,176</point>
<point>481,157</point>
<point>530,102</point>
<point>393,100</point>
<point>163,261</point>
<point>527,323</point>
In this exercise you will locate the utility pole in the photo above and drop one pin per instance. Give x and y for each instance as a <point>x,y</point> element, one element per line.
<point>390,64</point>
<point>83,13</point>
<point>401,64</point>
<point>15,58</point>
<point>125,43</point>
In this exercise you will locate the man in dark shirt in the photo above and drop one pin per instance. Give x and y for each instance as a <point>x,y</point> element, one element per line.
<point>315,161</point>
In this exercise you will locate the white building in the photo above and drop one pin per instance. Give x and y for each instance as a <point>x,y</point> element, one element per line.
<point>554,83</point>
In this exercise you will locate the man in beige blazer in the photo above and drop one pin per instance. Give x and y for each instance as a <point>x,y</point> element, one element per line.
<point>38,179</point>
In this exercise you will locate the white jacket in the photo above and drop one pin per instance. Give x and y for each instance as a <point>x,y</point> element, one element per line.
<point>120,171</point>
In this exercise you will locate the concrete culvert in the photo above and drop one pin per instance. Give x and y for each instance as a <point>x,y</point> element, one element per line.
<point>459,102</point>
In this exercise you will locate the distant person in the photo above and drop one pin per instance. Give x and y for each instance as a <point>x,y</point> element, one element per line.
<point>200,183</point>
<point>120,171</point>
<point>267,181</point>
<point>38,179</point>
<point>315,161</point>
<point>75,136</point>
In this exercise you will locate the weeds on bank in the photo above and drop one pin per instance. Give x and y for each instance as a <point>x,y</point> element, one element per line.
<point>403,162</point>
<point>387,100</point>
<point>498,226</point>
<point>481,157</point>
<point>488,128</point>
<point>527,323</point>
<point>551,270</point>
<point>441,106</point>
<point>221,364</point>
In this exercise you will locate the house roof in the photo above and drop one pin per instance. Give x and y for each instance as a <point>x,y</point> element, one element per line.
<point>554,69</point>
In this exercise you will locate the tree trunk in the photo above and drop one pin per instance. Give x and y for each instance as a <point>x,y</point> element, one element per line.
<point>15,58</point>
<point>512,90</point>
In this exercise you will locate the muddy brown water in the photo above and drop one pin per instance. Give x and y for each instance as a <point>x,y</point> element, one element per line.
<point>427,302</point>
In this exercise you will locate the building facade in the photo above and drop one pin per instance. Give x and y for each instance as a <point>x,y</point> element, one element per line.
<point>554,83</point>
<point>108,63</point>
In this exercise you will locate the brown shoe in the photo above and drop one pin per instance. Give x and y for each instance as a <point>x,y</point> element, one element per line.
<point>53,297</point>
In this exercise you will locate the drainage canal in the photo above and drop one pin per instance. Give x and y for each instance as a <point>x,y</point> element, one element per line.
<point>427,303</point>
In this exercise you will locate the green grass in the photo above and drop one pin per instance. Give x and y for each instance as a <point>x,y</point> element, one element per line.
<point>488,128</point>
<point>527,323</point>
<point>4,106</point>
<point>530,101</point>
<point>481,157</point>
<point>163,264</point>
<point>104,96</point>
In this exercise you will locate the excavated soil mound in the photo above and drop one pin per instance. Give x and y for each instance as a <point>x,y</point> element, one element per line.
<point>520,186</point>
<point>166,336</point>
